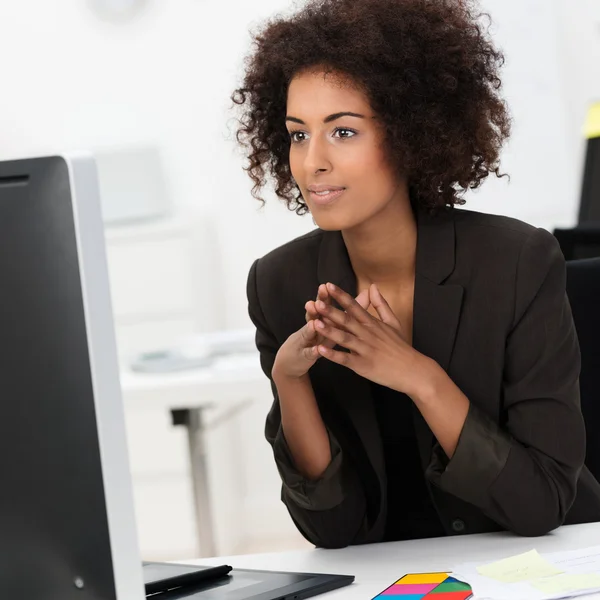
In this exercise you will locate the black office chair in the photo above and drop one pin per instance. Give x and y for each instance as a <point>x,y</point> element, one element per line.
<point>583,290</point>
<point>582,241</point>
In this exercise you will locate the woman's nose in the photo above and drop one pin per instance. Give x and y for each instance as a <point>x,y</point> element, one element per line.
<point>317,158</point>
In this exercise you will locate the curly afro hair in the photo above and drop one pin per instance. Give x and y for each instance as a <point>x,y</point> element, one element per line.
<point>430,73</point>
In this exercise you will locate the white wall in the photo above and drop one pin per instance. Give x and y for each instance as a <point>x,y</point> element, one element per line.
<point>543,155</point>
<point>580,54</point>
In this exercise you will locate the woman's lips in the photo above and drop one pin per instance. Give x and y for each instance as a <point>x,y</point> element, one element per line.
<point>324,198</point>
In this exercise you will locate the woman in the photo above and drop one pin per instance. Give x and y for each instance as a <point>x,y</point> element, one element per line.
<point>423,358</point>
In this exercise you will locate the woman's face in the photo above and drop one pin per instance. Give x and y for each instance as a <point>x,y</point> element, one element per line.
<point>337,152</point>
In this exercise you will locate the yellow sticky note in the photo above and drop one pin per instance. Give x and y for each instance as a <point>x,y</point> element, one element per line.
<point>592,123</point>
<point>423,578</point>
<point>523,567</point>
<point>568,583</point>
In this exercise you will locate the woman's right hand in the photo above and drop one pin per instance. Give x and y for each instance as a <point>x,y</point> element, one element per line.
<point>299,352</point>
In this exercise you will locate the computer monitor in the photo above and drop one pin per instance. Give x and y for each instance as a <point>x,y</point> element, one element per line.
<point>67,525</point>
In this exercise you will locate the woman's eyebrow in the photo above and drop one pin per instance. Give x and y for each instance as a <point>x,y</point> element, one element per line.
<point>328,119</point>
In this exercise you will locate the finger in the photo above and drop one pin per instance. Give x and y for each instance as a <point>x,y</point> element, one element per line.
<point>345,320</point>
<point>384,310</point>
<point>363,299</point>
<point>310,341</point>
<point>308,334</point>
<point>323,294</point>
<point>348,304</point>
<point>338,336</point>
<point>340,319</point>
<point>311,353</point>
<point>341,358</point>
<point>312,338</point>
<point>311,311</point>
<point>311,315</point>
<point>323,340</point>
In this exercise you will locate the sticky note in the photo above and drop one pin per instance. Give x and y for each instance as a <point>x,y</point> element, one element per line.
<point>592,123</point>
<point>427,586</point>
<point>567,583</point>
<point>523,567</point>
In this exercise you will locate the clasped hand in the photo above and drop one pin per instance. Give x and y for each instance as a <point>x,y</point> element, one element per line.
<point>377,348</point>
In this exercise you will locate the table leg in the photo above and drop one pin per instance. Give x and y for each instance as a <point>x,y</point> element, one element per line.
<point>193,421</point>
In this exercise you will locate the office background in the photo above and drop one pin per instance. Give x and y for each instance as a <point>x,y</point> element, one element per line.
<point>145,85</point>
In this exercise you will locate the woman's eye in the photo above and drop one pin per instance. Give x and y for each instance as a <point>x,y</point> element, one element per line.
<point>340,132</point>
<point>344,133</point>
<point>294,136</point>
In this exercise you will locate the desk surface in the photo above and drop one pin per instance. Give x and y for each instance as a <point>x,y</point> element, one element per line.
<point>228,379</point>
<point>238,367</point>
<point>377,566</point>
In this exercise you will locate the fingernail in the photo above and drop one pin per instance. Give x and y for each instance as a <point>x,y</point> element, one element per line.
<point>320,324</point>
<point>331,287</point>
<point>320,304</point>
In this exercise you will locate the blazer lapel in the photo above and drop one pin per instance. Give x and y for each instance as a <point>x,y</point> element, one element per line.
<point>437,305</point>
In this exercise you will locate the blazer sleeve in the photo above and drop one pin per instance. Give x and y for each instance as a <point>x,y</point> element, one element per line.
<point>523,474</point>
<point>331,511</point>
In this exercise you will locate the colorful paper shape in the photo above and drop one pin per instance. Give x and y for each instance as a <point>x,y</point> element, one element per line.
<point>427,586</point>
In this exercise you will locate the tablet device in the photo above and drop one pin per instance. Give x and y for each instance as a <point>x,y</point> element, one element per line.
<point>161,577</point>
<point>243,584</point>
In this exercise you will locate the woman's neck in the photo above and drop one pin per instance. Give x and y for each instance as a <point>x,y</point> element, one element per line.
<point>383,249</point>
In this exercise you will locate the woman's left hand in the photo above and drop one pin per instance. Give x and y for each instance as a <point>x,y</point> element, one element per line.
<point>378,350</point>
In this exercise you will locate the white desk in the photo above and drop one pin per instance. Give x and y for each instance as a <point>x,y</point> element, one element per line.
<point>377,566</point>
<point>230,382</point>
<point>226,380</point>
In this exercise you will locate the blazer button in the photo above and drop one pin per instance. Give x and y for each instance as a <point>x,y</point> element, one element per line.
<point>458,525</point>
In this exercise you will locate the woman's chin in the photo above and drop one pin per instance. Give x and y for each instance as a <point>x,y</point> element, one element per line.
<point>327,226</point>
<point>330,222</point>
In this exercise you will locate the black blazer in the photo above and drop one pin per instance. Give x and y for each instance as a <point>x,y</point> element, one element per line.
<point>490,308</point>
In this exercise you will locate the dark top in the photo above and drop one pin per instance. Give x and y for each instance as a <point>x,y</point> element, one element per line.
<point>411,513</point>
<point>490,308</point>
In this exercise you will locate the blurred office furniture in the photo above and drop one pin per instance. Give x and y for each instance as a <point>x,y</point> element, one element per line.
<point>205,482</point>
<point>580,242</point>
<point>133,186</point>
<point>154,269</point>
<point>583,240</point>
<point>589,209</point>
<point>583,290</point>
<point>159,272</point>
